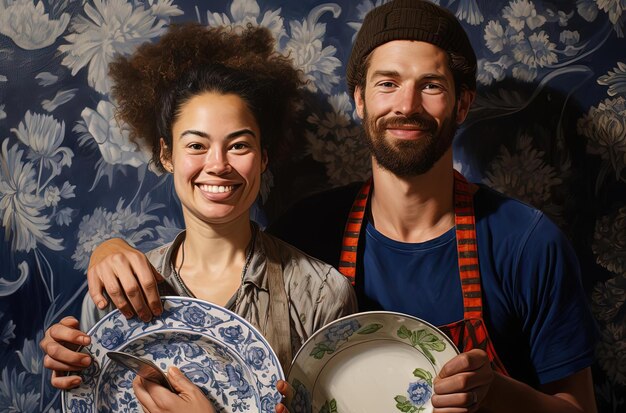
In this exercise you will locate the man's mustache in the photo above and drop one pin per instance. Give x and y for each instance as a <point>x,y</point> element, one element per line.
<point>414,121</point>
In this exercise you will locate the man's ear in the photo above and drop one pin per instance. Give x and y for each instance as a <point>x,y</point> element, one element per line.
<point>165,156</point>
<point>463,104</point>
<point>359,101</point>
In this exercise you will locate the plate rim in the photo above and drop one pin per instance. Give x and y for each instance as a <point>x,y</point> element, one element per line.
<point>116,314</point>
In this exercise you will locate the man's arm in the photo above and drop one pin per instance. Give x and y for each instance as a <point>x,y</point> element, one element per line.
<point>572,394</point>
<point>128,278</point>
<point>468,384</point>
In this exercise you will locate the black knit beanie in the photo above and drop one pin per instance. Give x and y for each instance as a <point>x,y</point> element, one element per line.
<point>412,20</point>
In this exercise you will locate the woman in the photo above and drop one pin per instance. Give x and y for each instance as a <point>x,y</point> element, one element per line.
<point>213,104</point>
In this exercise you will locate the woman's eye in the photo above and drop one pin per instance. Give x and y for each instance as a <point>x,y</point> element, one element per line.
<point>195,146</point>
<point>239,146</point>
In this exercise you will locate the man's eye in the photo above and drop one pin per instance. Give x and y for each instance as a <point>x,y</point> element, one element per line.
<point>386,84</point>
<point>433,88</point>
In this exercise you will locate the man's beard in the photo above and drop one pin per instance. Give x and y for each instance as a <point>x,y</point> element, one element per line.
<point>407,158</point>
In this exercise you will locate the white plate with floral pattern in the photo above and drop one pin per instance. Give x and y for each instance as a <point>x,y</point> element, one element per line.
<point>218,350</point>
<point>377,361</point>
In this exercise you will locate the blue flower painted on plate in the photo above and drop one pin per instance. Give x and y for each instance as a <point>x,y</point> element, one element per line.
<point>232,334</point>
<point>255,356</point>
<point>237,380</point>
<point>194,316</point>
<point>112,338</point>
<point>340,333</point>
<point>79,406</point>
<point>419,392</point>
<point>268,402</point>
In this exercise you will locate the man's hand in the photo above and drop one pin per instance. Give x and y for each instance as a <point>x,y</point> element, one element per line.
<point>463,383</point>
<point>155,398</point>
<point>128,278</point>
<point>59,346</point>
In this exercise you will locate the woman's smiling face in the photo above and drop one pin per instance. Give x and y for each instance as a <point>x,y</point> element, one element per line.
<point>216,158</point>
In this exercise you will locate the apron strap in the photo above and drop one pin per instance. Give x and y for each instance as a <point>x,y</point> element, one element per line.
<point>278,331</point>
<point>467,247</point>
<point>352,232</point>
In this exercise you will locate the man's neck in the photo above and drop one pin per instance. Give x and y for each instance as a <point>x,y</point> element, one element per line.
<point>414,209</point>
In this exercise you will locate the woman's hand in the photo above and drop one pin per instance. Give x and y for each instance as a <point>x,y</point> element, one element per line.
<point>155,398</point>
<point>128,278</point>
<point>59,346</point>
<point>463,383</point>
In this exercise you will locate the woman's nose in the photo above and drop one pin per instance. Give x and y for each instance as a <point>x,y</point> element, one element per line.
<point>217,163</point>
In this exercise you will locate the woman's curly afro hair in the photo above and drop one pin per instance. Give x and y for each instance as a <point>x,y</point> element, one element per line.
<point>150,86</point>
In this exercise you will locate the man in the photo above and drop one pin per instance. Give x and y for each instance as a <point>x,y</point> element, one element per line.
<point>495,274</point>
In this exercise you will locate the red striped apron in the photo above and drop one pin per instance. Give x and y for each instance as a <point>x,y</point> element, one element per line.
<point>470,332</point>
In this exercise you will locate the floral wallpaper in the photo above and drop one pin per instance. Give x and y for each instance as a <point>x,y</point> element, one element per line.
<point>548,127</point>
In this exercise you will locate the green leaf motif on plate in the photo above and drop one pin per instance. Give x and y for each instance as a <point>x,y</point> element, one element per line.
<point>423,340</point>
<point>329,407</point>
<point>404,405</point>
<point>424,375</point>
<point>370,328</point>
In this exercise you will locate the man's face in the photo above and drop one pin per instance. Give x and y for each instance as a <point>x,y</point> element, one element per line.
<point>409,109</point>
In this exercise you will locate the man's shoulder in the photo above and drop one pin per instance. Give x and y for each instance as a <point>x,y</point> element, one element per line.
<point>315,224</point>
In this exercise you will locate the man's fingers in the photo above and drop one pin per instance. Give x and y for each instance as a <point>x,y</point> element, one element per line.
<point>469,361</point>
<point>96,286</point>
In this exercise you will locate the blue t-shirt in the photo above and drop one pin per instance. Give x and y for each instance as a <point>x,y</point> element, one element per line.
<point>534,306</point>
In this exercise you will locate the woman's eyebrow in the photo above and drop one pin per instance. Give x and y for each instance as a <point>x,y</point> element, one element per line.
<point>232,135</point>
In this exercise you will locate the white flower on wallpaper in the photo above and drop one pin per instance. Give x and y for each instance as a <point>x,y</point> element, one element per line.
<point>243,12</point>
<point>521,13</point>
<point>46,78</point>
<point>16,395</point>
<point>524,174</point>
<point>519,44</point>
<point>110,27</point>
<point>469,11</point>
<point>112,137</point>
<point>103,224</point>
<point>611,352</point>
<point>29,26</point>
<point>8,287</point>
<point>20,205</point>
<point>3,114</point>
<point>615,80</point>
<point>604,127</point>
<point>44,135</point>
<point>61,97</point>
<point>609,241</point>
<point>31,356</point>
<point>306,47</point>
<point>164,9</point>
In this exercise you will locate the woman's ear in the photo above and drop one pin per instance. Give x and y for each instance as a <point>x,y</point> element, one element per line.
<point>264,160</point>
<point>166,156</point>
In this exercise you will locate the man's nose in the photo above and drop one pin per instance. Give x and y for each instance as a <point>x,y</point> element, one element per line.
<point>409,101</point>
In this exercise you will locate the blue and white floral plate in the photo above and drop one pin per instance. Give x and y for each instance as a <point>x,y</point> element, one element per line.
<point>217,349</point>
<point>376,361</point>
